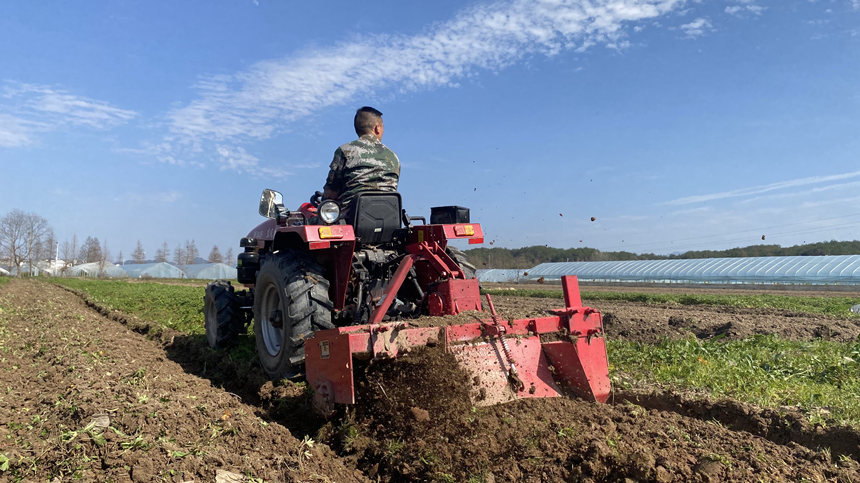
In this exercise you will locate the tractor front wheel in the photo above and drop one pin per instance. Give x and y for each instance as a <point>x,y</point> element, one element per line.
<point>291,302</point>
<point>221,314</point>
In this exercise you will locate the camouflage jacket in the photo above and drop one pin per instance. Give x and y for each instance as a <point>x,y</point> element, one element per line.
<point>362,165</point>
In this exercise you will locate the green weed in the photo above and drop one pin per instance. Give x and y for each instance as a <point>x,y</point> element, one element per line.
<point>797,303</point>
<point>764,370</point>
<point>178,307</point>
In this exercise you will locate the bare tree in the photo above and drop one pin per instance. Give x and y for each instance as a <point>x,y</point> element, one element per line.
<point>162,253</point>
<point>91,251</point>
<point>138,255</point>
<point>65,249</point>
<point>215,255</point>
<point>191,252</point>
<point>229,259</point>
<point>72,255</point>
<point>49,246</point>
<point>104,258</point>
<point>21,237</point>
<point>119,260</point>
<point>179,255</point>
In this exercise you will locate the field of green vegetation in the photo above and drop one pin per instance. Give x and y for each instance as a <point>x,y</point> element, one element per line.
<point>820,377</point>
<point>179,307</point>
<point>795,303</point>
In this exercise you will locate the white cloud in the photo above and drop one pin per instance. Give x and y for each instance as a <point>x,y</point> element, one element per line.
<point>237,159</point>
<point>15,132</point>
<point>257,103</point>
<point>745,8</point>
<point>697,27</point>
<point>756,190</point>
<point>28,109</point>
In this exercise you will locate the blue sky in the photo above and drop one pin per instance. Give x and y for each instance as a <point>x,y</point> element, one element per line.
<point>676,124</point>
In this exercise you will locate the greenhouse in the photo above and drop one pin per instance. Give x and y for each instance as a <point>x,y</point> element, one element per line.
<point>96,269</point>
<point>210,271</point>
<point>153,270</point>
<point>841,269</point>
<point>500,274</point>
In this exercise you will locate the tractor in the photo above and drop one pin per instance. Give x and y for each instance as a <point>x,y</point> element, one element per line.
<point>328,285</point>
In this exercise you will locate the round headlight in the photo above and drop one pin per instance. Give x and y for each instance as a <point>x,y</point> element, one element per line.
<point>329,212</point>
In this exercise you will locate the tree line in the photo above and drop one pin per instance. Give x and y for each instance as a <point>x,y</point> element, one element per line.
<point>27,239</point>
<point>528,257</point>
<point>181,255</point>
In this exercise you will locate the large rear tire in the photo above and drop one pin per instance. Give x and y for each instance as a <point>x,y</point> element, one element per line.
<point>291,302</point>
<point>221,314</point>
<point>468,269</point>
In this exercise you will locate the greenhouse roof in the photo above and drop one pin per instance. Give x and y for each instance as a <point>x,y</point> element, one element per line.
<point>153,270</point>
<point>210,271</point>
<point>843,269</point>
<point>97,269</point>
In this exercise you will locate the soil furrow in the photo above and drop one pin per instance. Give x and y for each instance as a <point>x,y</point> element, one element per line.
<point>85,397</point>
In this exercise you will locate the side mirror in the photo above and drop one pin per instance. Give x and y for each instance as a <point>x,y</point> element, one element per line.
<point>271,204</point>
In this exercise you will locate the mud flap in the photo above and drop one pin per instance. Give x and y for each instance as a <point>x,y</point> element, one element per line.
<point>328,367</point>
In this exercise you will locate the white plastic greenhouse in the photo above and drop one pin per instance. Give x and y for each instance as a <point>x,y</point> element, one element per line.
<point>841,269</point>
<point>500,274</point>
<point>153,270</point>
<point>96,269</point>
<point>210,271</point>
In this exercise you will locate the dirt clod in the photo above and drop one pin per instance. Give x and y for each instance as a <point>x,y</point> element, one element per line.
<point>420,415</point>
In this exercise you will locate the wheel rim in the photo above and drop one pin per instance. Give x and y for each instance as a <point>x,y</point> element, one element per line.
<point>212,324</point>
<point>270,304</point>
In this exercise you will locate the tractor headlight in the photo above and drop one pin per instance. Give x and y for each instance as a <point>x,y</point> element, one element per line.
<point>329,212</point>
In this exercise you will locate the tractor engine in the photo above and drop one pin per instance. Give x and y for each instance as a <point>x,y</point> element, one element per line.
<point>371,274</point>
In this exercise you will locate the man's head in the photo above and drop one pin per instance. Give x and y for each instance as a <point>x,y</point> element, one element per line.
<point>368,121</point>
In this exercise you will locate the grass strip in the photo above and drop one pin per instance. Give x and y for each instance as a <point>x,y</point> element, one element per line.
<point>840,306</point>
<point>821,377</point>
<point>179,307</point>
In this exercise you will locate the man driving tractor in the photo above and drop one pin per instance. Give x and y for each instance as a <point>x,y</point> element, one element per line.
<point>364,164</point>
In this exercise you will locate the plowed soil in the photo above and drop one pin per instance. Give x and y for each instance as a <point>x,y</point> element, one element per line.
<point>86,398</point>
<point>100,396</point>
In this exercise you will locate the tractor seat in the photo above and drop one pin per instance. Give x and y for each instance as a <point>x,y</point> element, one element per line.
<point>375,216</point>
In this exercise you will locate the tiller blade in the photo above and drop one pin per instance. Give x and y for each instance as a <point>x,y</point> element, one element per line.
<point>508,360</point>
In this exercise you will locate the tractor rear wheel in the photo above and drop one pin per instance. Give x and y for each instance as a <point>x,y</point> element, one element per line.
<point>468,269</point>
<point>221,314</point>
<point>291,302</point>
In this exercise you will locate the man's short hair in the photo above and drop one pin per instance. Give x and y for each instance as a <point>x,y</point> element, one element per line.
<point>366,119</point>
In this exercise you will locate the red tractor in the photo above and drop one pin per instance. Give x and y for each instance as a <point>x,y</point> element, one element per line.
<point>327,285</point>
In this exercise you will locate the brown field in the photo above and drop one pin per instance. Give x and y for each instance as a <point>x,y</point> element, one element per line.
<point>94,396</point>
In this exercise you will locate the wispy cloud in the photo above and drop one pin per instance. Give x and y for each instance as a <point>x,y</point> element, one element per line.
<point>16,132</point>
<point>697,27</point>
<point>259,102</point>
<point>745,7</point>
<point>237,159</point>
<point>756,190</point>
<point>29,109</point>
